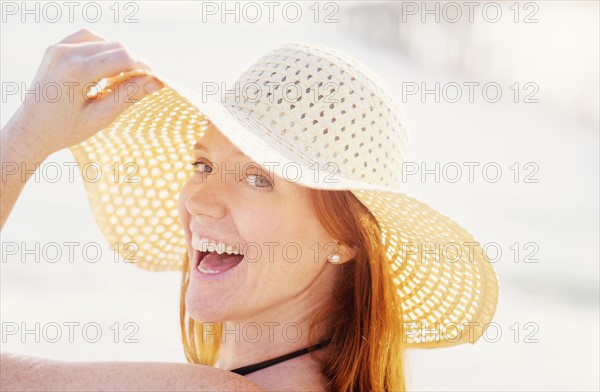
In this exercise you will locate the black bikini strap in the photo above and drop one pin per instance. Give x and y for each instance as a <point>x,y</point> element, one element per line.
<point>270,362</point>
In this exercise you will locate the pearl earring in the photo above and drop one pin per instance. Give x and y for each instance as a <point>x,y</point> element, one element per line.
<point>335,258</point>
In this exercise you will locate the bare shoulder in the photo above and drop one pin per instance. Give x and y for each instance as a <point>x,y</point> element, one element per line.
<point>25,373</point>
<point>298,374</point>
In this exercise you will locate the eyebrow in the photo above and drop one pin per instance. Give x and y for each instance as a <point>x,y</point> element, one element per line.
<point>200,146</point>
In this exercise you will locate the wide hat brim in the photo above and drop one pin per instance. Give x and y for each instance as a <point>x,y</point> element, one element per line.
<point>141,161</point>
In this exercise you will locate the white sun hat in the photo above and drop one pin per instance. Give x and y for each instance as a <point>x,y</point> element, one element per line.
<point>327,122</point>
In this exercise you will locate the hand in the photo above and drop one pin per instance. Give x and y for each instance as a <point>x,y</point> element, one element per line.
<point>51,123</point>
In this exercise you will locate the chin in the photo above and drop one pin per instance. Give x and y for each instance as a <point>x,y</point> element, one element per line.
<point>206,306</point>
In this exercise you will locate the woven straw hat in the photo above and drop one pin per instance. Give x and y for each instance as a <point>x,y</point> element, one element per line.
<point>314,109</point>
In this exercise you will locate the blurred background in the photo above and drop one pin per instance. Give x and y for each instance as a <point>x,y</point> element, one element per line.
<point>541,56</point>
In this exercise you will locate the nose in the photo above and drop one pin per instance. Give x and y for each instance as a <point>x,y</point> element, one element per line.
<point>206,197</point>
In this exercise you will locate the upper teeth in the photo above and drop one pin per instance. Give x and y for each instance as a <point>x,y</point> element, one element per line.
<point>206,245</point>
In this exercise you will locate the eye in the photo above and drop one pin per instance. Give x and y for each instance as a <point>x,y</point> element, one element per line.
<point>201,166</point>
<point>257,182</point>
<point>260,182</point>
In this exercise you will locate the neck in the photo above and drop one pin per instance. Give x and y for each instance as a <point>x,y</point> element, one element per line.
<point>279,331</point>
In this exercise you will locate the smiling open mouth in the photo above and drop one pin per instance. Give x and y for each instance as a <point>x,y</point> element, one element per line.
<point>214,263</point>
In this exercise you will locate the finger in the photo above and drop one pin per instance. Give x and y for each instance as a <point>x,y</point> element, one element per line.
<point>82,35</point>
<point>108,85</point>
<point>92,48</point>
<point>107,64</point>
<point>107,108</point>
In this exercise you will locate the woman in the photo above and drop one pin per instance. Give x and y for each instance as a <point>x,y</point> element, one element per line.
<point>304,266</point>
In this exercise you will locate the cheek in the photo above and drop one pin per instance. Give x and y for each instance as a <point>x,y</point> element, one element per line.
<point>181,205</point>
<point>261,225</point>
<point>258,224</point>
<point>184,215</point>
<point>183,196</point>
<point>289,240</point>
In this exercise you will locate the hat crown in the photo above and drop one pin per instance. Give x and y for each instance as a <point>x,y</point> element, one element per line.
<point>326,109</point>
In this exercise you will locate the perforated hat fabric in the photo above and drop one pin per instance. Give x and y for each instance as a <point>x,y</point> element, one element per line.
<point>326,120</point>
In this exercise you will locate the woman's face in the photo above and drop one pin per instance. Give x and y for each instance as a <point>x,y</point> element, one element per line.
<point>234,200</point>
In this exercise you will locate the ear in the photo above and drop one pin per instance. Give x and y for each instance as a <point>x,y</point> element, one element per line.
<point>342,254</point>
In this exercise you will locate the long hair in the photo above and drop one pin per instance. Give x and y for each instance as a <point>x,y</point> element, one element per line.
<point>363,316</point>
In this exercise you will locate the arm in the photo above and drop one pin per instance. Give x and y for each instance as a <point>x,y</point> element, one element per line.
<point>15,150</point>
<point>20,373</point>
<point>41,127</point>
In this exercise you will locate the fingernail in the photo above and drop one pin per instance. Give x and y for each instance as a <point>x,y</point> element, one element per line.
<point>152,87</point>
